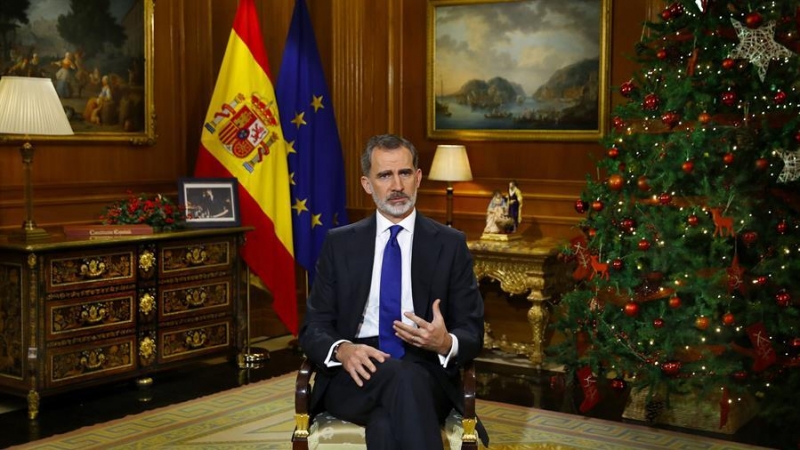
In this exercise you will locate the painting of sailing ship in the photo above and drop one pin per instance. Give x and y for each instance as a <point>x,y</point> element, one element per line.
<point>524,70</point>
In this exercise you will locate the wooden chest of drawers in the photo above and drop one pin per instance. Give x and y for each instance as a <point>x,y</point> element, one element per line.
<point>79,312</point>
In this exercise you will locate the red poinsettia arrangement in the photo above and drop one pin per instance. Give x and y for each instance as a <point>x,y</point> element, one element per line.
<point>155,210</point>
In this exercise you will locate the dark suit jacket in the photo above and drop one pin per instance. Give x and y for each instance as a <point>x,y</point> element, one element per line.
<point>441,267</point>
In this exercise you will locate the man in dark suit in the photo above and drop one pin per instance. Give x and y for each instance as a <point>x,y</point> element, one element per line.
<point>402,397</point>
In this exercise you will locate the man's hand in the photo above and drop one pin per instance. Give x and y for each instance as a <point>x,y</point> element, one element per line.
<point>357,360</point>
<point>431,336</point>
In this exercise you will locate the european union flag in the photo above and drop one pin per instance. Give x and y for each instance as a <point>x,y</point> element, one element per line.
<point>316,166</point>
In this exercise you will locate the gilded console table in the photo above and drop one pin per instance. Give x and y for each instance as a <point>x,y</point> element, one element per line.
<point>525,266</point>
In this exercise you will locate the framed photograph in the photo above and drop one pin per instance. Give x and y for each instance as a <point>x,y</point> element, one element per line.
<point>100,58</point>
<point>518,69</point>
<point>210,202</point>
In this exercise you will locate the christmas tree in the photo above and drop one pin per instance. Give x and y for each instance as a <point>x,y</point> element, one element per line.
<point>689,258</point>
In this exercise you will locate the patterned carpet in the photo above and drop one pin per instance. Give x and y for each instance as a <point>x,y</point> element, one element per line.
<point>260,416</point>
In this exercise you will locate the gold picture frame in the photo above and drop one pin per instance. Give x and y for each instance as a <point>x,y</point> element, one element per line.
<point>104,76</point>
<point>518,69</point>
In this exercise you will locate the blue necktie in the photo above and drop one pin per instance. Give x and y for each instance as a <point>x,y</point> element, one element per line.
<point>391,291</point>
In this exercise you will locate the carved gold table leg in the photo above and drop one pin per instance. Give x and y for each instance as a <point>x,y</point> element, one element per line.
<point>33,404</point>
<point>538,317</point>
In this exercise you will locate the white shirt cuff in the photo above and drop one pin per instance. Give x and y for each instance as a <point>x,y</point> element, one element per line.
<point>329,361</point>
<point>445,359</point>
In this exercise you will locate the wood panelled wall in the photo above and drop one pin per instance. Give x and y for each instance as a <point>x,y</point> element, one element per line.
<point>374,54</point>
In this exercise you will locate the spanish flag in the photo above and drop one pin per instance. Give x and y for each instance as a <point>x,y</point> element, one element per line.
<point>242,138</point>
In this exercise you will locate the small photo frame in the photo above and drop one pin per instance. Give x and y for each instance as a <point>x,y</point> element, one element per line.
<point>210,202</point>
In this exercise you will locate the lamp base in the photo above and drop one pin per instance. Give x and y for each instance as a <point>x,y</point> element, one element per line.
<point>29,234</point>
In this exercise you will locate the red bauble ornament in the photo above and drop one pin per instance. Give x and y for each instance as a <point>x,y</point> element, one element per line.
<point>670,118</point>
<point>671,368</point>
<point>688,166</point>
<point>643,183</point>
<point>753,20</point>
<point>728,319</point>
<point>644,245</point>
<point>779,97</point>
<point>613,152</point>
<point>627,89</point>
<point>782,227</point>
<point>674,302</point>
<point>592,232</point>
<point>665,198</point>
<point>651,102</point>
<point>728,63</point>
<point>728,158</point>
<point>618,384</point>
<point>597,205</point>
<point>728,98</point>
<point>617,264</point>
<point>581,206</point>
<point>749,237</point>
<point>618,123</point>
<point>704,118</point>
<point>692,220</point>
<point>762,280</point>
<point>631,309</point>
<point>658,323</point>
<point>666,15</point>
<point>701,323</point>
<point>762,164</point>
<point>662,54</point>
<point>616,182</point>
<point>783,298</point>
<point>627,225</point>
<point>739,376</point>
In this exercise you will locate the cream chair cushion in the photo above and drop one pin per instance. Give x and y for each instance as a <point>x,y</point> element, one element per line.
<point>329,433</point>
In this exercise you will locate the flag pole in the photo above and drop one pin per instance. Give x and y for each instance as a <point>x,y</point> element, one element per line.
<point>252,357</point>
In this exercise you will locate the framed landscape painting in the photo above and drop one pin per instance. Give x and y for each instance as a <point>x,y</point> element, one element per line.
<point>99,56</point>
<point>517,70</point>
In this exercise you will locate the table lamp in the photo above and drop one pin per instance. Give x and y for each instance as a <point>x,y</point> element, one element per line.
<point>29,106</point>
<point>450,163</point>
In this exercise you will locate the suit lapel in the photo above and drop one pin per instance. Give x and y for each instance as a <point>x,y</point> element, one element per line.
<point>360,256</point>
<point>423,263</point>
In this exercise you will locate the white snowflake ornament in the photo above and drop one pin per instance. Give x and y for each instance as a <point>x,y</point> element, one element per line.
<point>791,166</point>
<point>758,46</point>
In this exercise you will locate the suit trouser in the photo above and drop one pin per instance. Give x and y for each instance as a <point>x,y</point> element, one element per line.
<point>401,405</point>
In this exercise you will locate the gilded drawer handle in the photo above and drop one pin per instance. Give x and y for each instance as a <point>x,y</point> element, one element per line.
<point>147,260</point>
<point>93,359</point>
<point>196,338</point>
<point>196,297</point>
<point>94,313</point>
<point>196,255</point>
<point>147,348</point>
<point>147,303</point>
<point>93,268</point>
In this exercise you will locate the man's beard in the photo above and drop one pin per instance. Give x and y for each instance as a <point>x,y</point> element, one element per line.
<point>395,210</point>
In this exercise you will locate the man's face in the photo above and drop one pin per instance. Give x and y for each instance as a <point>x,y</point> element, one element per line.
<point>393,182</point>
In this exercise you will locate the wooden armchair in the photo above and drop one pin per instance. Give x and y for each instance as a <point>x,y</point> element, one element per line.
<point>328,432</point>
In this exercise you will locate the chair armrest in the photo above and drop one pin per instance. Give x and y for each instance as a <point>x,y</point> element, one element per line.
<point>468,386</point>
<point>302,400</point>
<point>302,387</point>
<point>469,436</point>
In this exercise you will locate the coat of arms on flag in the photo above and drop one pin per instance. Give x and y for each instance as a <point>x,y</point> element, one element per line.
<point>244,126</point>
